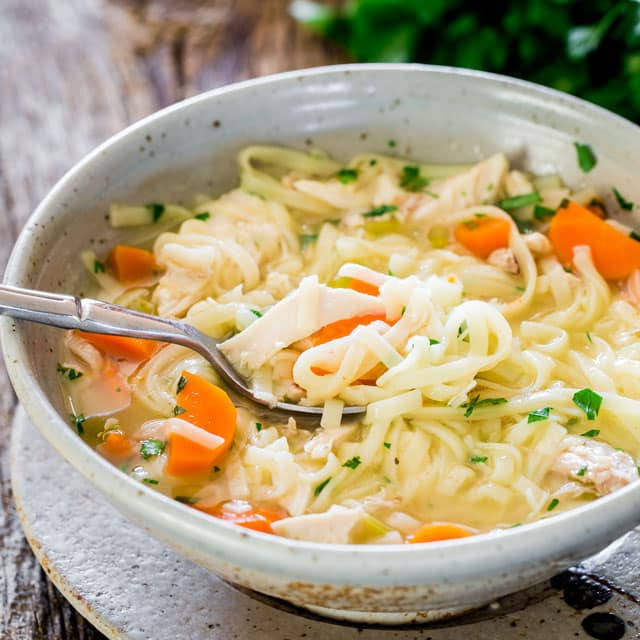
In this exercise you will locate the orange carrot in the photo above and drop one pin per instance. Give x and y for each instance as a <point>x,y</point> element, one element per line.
<point>482,236</point>
<point>131,263</point>
<point>615,255</point>
<point>342,328</point>
<point>361,286</point>
<point>435,531</point>
<point>121,347</point>
<point>210,408</point>
<point>256,518</point>
<point>117,445</point>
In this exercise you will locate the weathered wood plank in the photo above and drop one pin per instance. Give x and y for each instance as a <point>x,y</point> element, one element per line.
<point>71,74</point>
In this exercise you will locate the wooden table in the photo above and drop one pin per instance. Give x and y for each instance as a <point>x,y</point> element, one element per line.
<point>72,73</point>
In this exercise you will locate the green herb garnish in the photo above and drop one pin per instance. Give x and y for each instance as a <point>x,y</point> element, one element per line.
<point>404,308</point>
<point>78,422</point>
<point>592,433</point>
<point>571,421</point>
<point>380,211</point>
<point>182,383</point>
<point>149,481</point>
<point>205,215</point>
<point>98,267</point>
<point>178,410</point>
<point>553,504</point>
<point>634,236</point>
<point>386,445</point>
<point>391,142</point>
<point>411,179</point>
<point>589,401</point>
<point>353,463</point>
<point>586,158</point>
<point>307,238</point>
<point>186,499</point>
<point>541,213</point>
<point>582,471</point>
<point>347,175</point>
<point>256,313</point>
<point>589,337</point>
<point>474,403</point>
<point>478,459</point>
<point>156,210</point>
<point>321,486</point>
<point>523,200</point>
<point>622,201</point>
<point>538,415</point>
<point>258,427</point>
<point>150,448</point>
<point>70,372</point>
<point>433,341</point>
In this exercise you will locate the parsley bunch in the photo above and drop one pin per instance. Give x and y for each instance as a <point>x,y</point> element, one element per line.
<point>590,49</point>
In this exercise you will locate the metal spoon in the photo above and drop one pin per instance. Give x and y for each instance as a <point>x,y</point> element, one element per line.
<point>70,312</point>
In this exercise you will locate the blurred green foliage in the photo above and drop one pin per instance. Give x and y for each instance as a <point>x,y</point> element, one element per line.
<point>590,48</point>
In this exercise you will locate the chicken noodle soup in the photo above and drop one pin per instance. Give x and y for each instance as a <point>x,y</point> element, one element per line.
<point>487,318</point>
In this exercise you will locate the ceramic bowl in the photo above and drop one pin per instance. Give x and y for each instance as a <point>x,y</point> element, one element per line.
<point>429,113</point>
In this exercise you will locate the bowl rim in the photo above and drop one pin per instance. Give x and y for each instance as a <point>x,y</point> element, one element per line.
<point>482,551</point>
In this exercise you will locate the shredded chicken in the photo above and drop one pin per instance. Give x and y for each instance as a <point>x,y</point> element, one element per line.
<point>595,463</point>
<point>505,260</point>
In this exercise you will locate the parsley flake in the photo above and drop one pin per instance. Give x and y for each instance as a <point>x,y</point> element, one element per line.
<point>592,433</point>
<point>182,383</point>
<point>411,179</point>
<point>582,471</point>
<point>541,213</point>
<point>553,504</point>
<point>523,200</point>
<point>78,422</point>
<point>98,267</point>
<point>150,448</point>
<point>380,211</point>
<point>624,204</point>
<point>433,341</point>
<point>258,427</point>
<point>70,372</point>
<point>318,490</point>
<point>178,410</point>
<point>386,445</point>
<point>307,239</point>
<point>352,463</point>
<point>186,499</point>
<point>538,415</point>
<point>392,143</point>
<point>156,210</point>
<point>347,175</point>
<point>404,308</point>
<point>256,313</point>
<point>589,401</point>
<point>485,402</point>
<point>586,158</point>
<point>205,215</point>
<point>634,236</point>
<point>478,459</point>
<point>149,481</point>
<point>571,421</point>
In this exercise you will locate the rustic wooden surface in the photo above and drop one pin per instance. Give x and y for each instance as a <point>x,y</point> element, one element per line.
<point>73,72</point>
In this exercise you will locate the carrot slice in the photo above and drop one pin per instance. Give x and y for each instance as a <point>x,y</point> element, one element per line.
<point>482,236</point>
<point>615,255</point>
<point>210,408</point>
<point>131,263</point>
<point>256,518</point>
<point>121,347</point>
<point>361,286</point>
<point>116,444</point>
<point>342,328</point>
<point>435,531</point>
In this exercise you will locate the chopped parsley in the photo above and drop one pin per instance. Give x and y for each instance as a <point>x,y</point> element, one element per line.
<point>307,238</point>
<point>622,201</point>
<point>205,215</point>
<point>634,236</point>
<point>538,415</point>
<point>186,499</point>
<point>156,210</point>
<point>256,313</point>
<point>78,421</point>
<point>380,211</point>
<point>347,175</point>
<point>433,341</point>
<point>571,421</point>
<point>589,401</point>
<point>150,448</point>
<point>182,383</point>
<point>98,267</point>
<point>386,445</point>
<point>411,179</point>
<point>178,410</point>
<point>470,224</point>
<point>318,490</point>
<point>586,158</point>
<point>541,213</point>
<point>404,308</point>
<point>589,337</point>
<point>352,463</point>
<point>582,471</point>
<point>70,372</point>
<point>485,402</point>
<point>592,433</point>
<point>258,427</point>
<point>149,481</point>
<point>373,162</point>
<point>553,504</point>
<point>522,200</point>
<point>478,459</point>
<point>392,143</point>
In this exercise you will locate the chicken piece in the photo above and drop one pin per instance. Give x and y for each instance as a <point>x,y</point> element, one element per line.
<point>479,185</point>
<point>595,463</point>
<point>303,312</point>
<point>537,243</point>
<point>504,259</point>
<point>332,527</point>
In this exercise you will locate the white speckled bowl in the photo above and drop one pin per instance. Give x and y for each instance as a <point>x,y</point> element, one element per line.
<point>436,114</point>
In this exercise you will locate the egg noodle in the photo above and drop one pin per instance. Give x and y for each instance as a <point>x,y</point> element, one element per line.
<point>501,384</point>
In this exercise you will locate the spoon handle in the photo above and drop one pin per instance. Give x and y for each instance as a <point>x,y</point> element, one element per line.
<point>85,314</point>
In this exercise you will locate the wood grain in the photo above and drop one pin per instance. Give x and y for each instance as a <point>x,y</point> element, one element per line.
<point>71,74</point>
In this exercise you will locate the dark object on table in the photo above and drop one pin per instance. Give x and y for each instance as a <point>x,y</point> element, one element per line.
<point>604,626</point>
<point>590,49</point>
